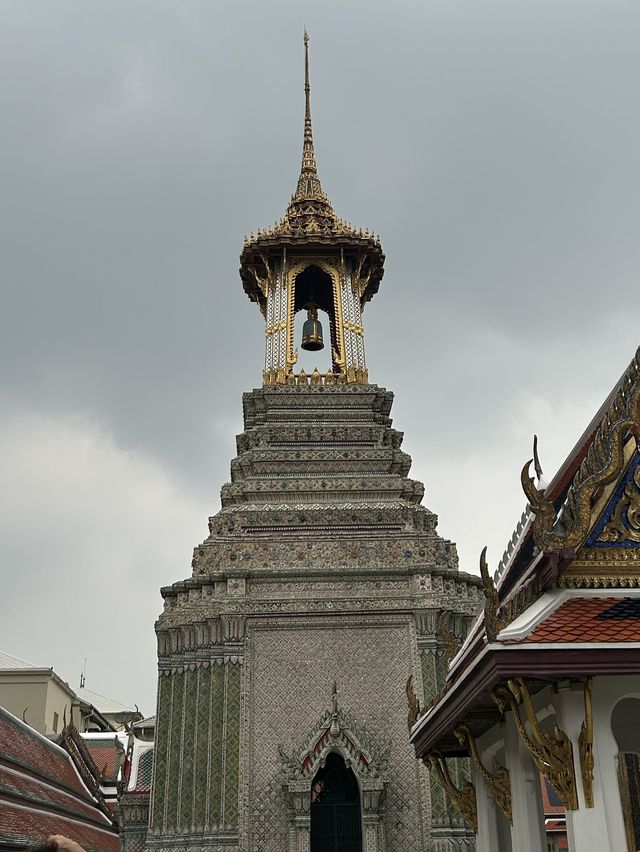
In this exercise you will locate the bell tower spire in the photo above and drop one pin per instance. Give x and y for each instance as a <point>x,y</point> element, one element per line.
<point>309,197</point>
<point>308,154</point>
<point>312,261</point>
<point>308,182</point>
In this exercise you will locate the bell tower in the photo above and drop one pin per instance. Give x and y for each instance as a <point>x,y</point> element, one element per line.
<point>321,566</point>
<point>312,261</point>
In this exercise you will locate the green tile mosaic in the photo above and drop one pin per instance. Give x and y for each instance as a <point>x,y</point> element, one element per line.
<point>161,757</point>
<point>175,751</point>
<point>202,748</point>
<point>232,745</point>
<point>215,732</point>
<point>185,810</point>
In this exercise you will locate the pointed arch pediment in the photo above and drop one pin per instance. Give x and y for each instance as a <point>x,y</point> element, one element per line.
<point>336,731</point>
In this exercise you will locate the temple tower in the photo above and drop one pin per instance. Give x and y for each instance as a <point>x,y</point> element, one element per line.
<point>321,588</point>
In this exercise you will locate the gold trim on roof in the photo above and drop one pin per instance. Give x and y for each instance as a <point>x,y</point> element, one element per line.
<point>449,640</point>
<point>603,463</point>
<point>465,799</point>
<point>624,524</point>
<point>499,784</point>
<point>551,753</point>
<point>492,624</point>
<point>412,703</point>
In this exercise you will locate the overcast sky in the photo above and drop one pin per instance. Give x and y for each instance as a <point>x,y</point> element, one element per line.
<point>494,146</point>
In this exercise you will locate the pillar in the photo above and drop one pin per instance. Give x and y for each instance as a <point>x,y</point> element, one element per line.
<point>527,831</point>
<point>494,833</point>
<point>602,826</point>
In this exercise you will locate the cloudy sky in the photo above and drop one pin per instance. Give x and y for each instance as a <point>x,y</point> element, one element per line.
<point>494,146</point>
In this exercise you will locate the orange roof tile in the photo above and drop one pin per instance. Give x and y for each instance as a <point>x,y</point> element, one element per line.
<point>589,619</point>
<point>551,803</point>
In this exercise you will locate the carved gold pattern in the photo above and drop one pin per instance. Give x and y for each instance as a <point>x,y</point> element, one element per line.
<point>551,753</point>
<point>465,799</point>
<point>292,356</point>
<point>279,377</point>
<point>413,703</point>
<point>627,509</point>
<point>585,746</point>
<point>338,283</point>
<point>498,784</point>
<point>603,568</point>
<point>493,625</point>
<point>601,581</point>
<point>602,464</point>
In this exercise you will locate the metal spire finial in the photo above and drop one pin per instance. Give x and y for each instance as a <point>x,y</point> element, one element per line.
<point>308,154</point>
<point>308,183</point>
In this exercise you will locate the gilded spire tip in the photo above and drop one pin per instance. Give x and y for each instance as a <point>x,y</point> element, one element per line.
<point>309,188</point>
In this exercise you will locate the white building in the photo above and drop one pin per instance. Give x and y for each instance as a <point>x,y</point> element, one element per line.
<point>548,680</point>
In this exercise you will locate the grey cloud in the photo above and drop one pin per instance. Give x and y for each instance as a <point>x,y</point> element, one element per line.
<point>493,146</point>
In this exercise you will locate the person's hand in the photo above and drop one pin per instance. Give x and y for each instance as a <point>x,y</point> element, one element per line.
<point>65,844</point>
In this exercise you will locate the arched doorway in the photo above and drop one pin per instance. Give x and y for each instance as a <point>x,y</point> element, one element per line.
<point>335,808</point>
<point>624,724</point>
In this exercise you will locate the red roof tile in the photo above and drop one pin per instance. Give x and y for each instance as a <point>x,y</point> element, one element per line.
<point>587,619</point>
<point>25,747</point>
<point>41,793</point>
<point>16,784</point>
<point>551,803</point>
<point>23,825</point>
<point>107,756</point>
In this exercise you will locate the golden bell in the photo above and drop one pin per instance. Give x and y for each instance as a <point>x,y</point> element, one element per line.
<point>312,332</point>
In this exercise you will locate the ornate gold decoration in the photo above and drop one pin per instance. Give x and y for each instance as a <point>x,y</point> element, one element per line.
<point>627,509</point>
<point>551,753</point>
<point>310,218</point>
<point>279,377</point>
<point>499,784</point>
<point>291,356</point>
<point>521,600</point>
<point>585,746</point>
<point>492,624</point>
<point>340,359</point>
<point>465,799</point>
<point>451,644</point>
<point>413,703</point>
<point>602,464</point>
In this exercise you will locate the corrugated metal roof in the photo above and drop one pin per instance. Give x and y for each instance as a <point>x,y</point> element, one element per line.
<point>102,703</point>
<point>7,661</point>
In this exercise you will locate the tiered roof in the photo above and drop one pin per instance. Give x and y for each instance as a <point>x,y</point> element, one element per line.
<point>42,793</point>
<point>309,220</point>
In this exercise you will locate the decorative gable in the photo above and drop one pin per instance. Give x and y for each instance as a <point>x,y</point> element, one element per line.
<point>337,732</point>
<point>619,523</point>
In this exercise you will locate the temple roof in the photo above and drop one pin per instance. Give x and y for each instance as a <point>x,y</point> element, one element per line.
<point>102,703</point>
<point>42,793</point>
<point>566,598</point>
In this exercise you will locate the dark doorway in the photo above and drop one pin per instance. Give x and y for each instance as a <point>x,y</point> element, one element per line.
<point>335,809</point>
